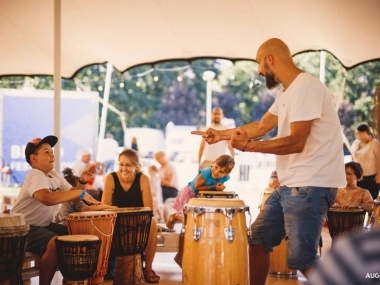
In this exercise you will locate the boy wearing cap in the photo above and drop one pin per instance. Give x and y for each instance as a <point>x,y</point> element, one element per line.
<point>41,193</point>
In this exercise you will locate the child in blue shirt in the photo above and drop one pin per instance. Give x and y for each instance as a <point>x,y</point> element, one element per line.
<point>208,179</point>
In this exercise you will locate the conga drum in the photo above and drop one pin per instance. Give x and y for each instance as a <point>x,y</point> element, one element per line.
<point>100,224</point>
<point>13,238</point>
<point>216,242</point>
<point>265,196</point>
<point>218,194</point>
<point>343,221</point>
<point>278,258</point>
<point>129,241</point>
<point>77,257</point>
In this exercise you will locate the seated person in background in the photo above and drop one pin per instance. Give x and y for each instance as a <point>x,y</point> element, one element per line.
<point>351,196</point>
<point>273,181</point>
<point>210,178</point>
<point>95,184</point>
<point>168,176</point>
<point>155,187</point>
<point>69,207</point>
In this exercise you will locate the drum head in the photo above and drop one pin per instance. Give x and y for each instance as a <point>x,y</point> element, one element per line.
<point>217,192</point>
<point>90,214</point>
<point>12,219</point>
<point>204,202</point>
<point>129,209</point>
<point>345,210</point>
<point>75,238</point>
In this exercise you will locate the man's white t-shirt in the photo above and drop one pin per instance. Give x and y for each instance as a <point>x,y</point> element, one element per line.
<point>321,162</point>
<point>212,151</point>
<point>35,212</point>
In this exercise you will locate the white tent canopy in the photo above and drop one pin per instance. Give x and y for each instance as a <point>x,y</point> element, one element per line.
<point>130,32</point>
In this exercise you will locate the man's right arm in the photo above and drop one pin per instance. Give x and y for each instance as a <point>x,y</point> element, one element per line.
<point>254,130</point>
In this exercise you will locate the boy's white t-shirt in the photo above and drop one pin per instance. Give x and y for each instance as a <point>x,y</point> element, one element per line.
<point>35,212</point>
<point>321,162</point>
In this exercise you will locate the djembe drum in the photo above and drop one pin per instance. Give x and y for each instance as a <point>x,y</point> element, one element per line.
<point>129,241</point>
<point>100,224</point>
<point>216,242</point>
<point>278,258</point>
<point>77,257</point>
<point>218,194</point>
<point>13,236</point>
<point>343,221</point>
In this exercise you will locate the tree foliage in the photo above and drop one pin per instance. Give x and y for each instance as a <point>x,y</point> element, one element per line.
<point>176,92</point>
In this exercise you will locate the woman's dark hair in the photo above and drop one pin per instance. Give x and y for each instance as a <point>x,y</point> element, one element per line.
<point>363,127</point>
<point>68,174</point>
<point>356,168</point>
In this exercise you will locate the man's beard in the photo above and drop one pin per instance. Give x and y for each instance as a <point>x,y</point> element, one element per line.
<point>269,78</point>
<point>216,121</point>
<point>270,81</point>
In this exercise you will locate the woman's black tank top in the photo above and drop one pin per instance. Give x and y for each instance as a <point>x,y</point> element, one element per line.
<point>131,198</point>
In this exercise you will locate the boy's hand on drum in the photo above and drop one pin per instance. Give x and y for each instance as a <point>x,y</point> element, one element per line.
<point>89,200</point>
<point>219,187</point>
<point>102,206</point>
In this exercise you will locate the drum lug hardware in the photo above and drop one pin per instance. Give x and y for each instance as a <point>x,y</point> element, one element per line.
<point>197,233</point>
<point>249,232</point>
<point>229,233</point>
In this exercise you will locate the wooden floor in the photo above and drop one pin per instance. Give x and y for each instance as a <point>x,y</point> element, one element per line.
<point>171,273</point>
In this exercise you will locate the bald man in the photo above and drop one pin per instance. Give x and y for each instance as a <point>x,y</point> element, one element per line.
<point>209,152</point>
<point>309,161</point>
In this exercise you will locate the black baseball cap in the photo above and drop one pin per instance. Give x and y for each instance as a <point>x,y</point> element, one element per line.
<point>35,143</point>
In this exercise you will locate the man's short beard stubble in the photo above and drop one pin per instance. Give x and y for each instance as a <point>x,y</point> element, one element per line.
<point>269,78</point>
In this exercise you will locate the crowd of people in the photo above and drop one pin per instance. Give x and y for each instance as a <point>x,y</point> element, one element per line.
<point>309,179</point>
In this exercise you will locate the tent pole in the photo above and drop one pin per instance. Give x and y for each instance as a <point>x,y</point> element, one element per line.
<point>57,83</point>
<point>103,119</point>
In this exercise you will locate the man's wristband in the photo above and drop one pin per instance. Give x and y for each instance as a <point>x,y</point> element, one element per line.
<point>82,194</point>
<point>359,205</point>
<point>212,187</point>
<point>82,182</point>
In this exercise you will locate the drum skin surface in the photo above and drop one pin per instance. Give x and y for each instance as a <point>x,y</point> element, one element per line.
<point>77,257</point>
<point>213,260</point>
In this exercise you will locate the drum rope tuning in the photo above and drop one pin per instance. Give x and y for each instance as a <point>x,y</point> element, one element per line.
<point>112,227</point>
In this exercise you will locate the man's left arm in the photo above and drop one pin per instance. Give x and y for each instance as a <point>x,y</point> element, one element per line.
<point>294,143</point>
